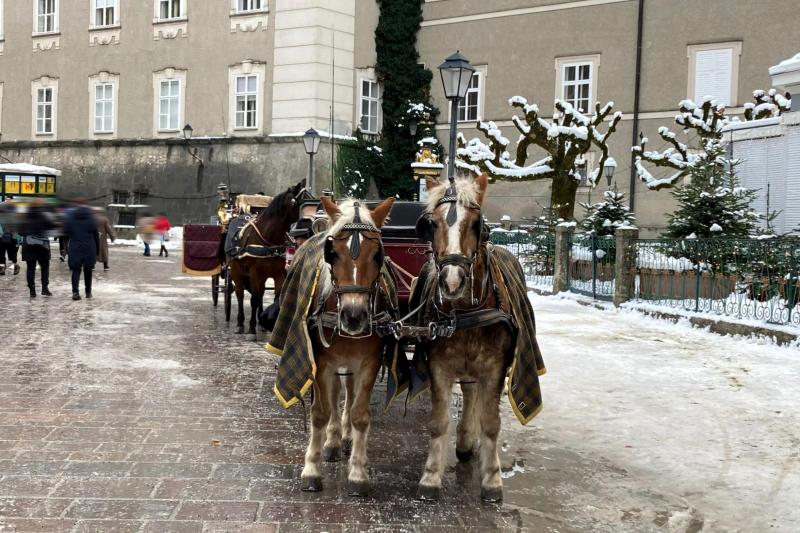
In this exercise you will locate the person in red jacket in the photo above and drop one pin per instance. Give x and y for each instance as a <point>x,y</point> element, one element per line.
<point>162,227</point>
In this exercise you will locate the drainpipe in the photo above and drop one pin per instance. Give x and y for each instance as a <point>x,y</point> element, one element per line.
<point>636,97</point>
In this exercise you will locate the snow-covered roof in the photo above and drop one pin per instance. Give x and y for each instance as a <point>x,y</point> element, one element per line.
<point>27,168</point>
<point>787,65</point>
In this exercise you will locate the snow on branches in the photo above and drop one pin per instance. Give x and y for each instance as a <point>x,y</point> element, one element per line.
<point>566,139</point>
<point>707,120</point>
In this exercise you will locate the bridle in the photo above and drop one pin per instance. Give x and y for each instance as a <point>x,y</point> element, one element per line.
<point>357,229</point>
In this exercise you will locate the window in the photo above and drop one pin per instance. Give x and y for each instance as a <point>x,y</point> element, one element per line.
<point>246,101</point>
<point>469,106</point>
<point>170,9</point>
<point>369,106</point>
<point>104,108</point>
<point>119,197</point>
<point>44,111</point>
<point>105,13</point>
<point>577,86</point>
<point>139,197</point>
<point>243,6</point>
<point>45,16</point>
<point>714,71</point>
<point>169,105</point>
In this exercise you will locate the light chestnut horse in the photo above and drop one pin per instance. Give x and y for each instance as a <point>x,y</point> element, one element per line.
<point>347,345</point>
<point>476,356</point>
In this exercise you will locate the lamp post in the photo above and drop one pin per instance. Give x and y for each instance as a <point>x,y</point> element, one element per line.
<point>311,140</point>
<point>456,74</point>
<point>187,136</point>
<point>609,168</point>
<point>4,158</point>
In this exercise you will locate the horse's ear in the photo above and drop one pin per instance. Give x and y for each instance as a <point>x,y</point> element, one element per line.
<point>482,182</point>
<point>299,187</point>
<point>380,213</point>
<point>330,208</point>
<point>431,182</point>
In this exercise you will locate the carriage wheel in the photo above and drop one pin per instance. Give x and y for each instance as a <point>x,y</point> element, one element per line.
<point>215,289</point>
<point>228,295</point>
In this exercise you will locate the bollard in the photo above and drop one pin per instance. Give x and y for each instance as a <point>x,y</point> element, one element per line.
<point>561,259</point>
<point>625,265</point>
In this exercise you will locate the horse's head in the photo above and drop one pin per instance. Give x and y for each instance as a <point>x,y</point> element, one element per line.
<point>354,251</point>
<point>284,206</point>
<point>453,225</point>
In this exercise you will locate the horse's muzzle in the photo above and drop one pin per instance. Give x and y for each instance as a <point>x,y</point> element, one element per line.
<point>354,314</point>
<point>453,282</point>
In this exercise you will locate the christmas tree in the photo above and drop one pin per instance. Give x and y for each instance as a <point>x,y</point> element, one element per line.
<point>603,218</point>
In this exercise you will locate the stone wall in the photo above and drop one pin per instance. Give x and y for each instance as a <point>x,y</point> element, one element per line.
<point>174,181</point>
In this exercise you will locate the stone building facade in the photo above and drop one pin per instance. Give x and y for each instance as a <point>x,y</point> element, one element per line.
<point>124,76</point>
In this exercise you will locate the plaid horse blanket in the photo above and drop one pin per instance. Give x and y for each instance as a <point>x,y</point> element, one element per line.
<point>527,364</point>
<point>291,339</point>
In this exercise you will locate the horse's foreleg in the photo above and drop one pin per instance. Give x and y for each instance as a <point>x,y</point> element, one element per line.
<point>431,483</point>
<point>489,398</point>
<point>347,425</point>
<point>357,478</point>
<point>255,299</point>
<point>467,433</point>
<point>332,451</point>
<point>311,478</point>
<point>240,308</point>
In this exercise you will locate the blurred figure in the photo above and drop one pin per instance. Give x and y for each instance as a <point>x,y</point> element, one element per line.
<point>145,229</point>
<point>105,232</point>
<point>84,243</point>
<point>36,249</point>
<point>162,227</point>
<point>8,249</point>
<point>63,246</point>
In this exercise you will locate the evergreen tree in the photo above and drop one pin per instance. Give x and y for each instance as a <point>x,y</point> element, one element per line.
<point>357,163</point>
<point>603,218</point>
<point>403,80</point>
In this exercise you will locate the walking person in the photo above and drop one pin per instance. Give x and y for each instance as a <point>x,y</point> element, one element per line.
<point>105,232</point>
<point>145,228</point>
<point>84,243</point>
<point>36,250</point>
<point>8,249</point>
<point>162,227</point>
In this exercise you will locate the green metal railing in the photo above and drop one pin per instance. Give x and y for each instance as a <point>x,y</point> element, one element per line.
<point>591,265</point>
<point>741,278</point>
<point>536,253</point>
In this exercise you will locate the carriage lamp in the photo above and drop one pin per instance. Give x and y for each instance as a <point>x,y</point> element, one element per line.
<point>412,127</point>
<point>456,75</point>
<point>609,168</point>
<point>311,140</point>
<point>187,135</point>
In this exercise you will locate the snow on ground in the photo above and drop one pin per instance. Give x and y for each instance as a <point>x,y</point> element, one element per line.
<point>710,419</point>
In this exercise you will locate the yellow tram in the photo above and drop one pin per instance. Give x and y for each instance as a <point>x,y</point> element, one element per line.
<point>23,180</point>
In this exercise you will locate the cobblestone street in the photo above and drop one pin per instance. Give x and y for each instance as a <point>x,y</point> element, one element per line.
<point>140,410</point>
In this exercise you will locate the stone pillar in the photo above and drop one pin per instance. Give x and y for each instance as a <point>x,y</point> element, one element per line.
<point>561,270</point>
<point>625,265</point>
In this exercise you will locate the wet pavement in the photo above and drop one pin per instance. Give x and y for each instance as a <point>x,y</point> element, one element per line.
<point>141,410</point>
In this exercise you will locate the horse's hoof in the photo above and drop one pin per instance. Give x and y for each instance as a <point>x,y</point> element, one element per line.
<point>332,455</point>
<point>240,330</point>
<point>427,493</point>
<point>464,456</point>
<point>347,446</point>
<point>311,484</point>
<point>359,489</point>
<point>252,337</point>
<point>492,494</point>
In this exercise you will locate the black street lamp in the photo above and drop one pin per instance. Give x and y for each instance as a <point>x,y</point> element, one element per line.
<point>456,74</point>
<point>609,168</point>
<point>412,127</point>
<point>311,140</point>
<point>187,136</point>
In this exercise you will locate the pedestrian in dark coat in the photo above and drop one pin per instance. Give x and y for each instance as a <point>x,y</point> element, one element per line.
<point>84,244</point>
<point>105,232</point>
<point>36,249</point>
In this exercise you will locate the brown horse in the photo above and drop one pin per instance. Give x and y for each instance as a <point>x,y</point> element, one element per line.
<point>477,357</point>
<point>261,253</point>
<point>349,289</point>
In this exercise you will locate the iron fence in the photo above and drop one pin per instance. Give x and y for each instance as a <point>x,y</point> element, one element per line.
<point>741,278</point>
<point>536,253</point>
<point>591,265</point>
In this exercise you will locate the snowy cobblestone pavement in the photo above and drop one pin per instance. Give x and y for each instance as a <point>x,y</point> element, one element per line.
<point>140,410</point>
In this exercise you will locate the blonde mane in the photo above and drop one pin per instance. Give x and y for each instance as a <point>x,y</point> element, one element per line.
<point>348,215</point>
<point>466,191</point>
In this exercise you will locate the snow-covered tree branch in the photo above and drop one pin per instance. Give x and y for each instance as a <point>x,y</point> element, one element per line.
<point>565,140</point>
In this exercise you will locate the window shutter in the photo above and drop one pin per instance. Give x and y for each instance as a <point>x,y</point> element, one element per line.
<point>713,75</point>
<point>791,208</point>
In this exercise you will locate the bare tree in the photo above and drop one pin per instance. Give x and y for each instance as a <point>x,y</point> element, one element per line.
<point>565,140</point>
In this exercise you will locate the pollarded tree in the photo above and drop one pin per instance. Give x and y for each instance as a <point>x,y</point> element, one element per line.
<point>712,204</point>
<point>565,140</point>
<point>603,218</point>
